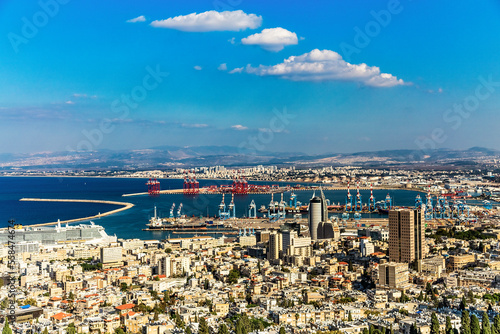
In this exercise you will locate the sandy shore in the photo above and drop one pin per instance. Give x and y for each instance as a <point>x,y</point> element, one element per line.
<point>125,206</point>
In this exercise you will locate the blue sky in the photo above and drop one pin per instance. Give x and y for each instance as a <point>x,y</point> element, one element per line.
<point>59,82</point>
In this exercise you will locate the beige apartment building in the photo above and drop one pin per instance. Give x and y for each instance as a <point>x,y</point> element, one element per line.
<point>406,235</point>
<point>457,262</point>
<point>393,275</point>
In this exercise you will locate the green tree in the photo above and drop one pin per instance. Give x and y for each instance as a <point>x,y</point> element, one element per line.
<point>448,329</point>
<point>45,331</point>
<point>233,276</point>
<point>6,328</point>
<point>188,330</point>
<point>349,318</point>
<point>365,331</point>
<point>465,324</point>
<point>413,329</point>
<point>463,304</point>
<point>496,325</point>
<point>282,330</point>
<point>434,324</point>
<point>420,296</point>
<point>223,329</point>
<point>71,329</point>
<point>119,330</point>
<point>203,327</point>
<point>474,325</point>
<point>485,324</point>
<point>470,297</point>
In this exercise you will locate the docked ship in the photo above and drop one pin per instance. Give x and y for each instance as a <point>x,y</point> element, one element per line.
<point>179,222</point>
<point>52,235</point>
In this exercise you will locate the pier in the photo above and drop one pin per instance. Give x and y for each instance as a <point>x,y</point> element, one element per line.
<point>124,206</point>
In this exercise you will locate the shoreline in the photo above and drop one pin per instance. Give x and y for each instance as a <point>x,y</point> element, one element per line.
<point>124,206</point>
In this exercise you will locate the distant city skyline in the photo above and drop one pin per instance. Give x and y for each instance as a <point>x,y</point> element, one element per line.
<point>271,76</point>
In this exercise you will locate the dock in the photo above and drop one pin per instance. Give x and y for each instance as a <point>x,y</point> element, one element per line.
<point>124,206</point>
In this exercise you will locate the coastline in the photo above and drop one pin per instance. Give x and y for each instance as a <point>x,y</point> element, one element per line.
<point>124,206</point>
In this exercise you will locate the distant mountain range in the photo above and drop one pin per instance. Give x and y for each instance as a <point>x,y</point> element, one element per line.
<point>173,156</point>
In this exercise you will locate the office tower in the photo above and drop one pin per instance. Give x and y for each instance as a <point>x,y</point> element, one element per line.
<point>275,245</point>
<point>406,235</point>
<point>318,213</point>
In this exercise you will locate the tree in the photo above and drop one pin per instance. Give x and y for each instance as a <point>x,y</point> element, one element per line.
<point>223,329</point>
<point>465,324</point>
<point>434,324</point>
<point>413,329</point>
<point>45,331</point>
<point>496,325</point>
<point>188,330</point>
<point>155,317</point>
<point>282,330</point>
<point>463,304</point>
<point>404,298</point>
<point>119,330</point>
<point>485,323</point>
<point>6,328</point>
<point>474,325</point>
<point>349,318</point>
<point>448,329</point>
<point>71,329</point>
<point>470,297</point>
<point>203,326</point>
<point>420,296</point>
<point>233,276</point>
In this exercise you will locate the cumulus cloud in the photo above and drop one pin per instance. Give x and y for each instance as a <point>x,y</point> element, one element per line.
<point>274,39</point>
<point>211,21</point>
<point>198,68</point>
<point>222,67</point>
<point>326,65</point>
<point>236,70</point>
<point>239,127</point>
<point>69,102</point>
<point>137,19</point>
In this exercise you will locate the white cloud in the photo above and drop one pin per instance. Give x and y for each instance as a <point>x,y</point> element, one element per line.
<point>236,70</point>
<point>222,67</point>
<point>198,68</point>
<point>70,102</point>
<point>196,125</point>
<point>326,65</point>
<point>274,39</point>
<point>137,19</point>
<point>239,127</point>
<point>211,21</point>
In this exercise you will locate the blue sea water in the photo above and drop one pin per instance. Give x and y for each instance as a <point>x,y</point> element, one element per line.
<point>129,223</point>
